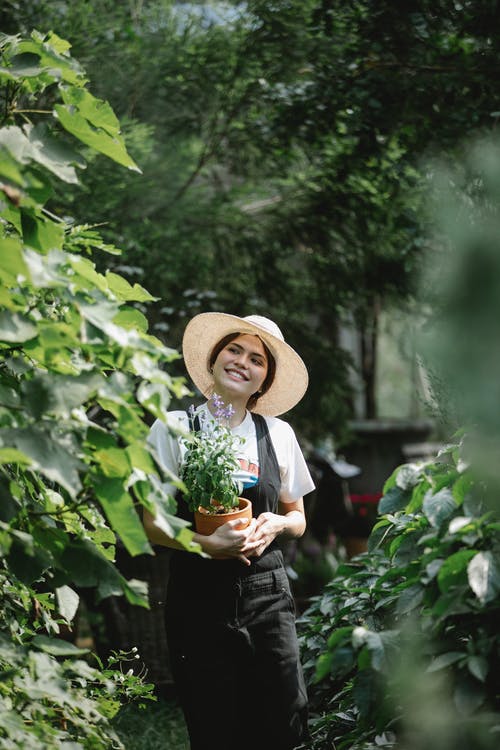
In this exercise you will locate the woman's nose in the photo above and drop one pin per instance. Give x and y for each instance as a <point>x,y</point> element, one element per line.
<point>241,359</point>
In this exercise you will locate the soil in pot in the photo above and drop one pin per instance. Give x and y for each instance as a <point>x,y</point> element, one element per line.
<point>206,523</point>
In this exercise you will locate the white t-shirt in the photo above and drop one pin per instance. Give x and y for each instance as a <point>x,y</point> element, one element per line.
<point>296,480</point>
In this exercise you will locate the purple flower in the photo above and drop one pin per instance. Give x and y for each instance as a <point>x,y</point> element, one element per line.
<point>219,407</point>
<point>229,411</point>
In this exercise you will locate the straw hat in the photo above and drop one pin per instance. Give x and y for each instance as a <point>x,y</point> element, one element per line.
<point>205,330</point>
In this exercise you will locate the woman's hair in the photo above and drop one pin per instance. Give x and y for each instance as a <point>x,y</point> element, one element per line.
<point>271,366</point>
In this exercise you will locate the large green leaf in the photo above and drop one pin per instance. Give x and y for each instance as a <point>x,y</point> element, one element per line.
<point>122,515</point>
<point>52,153</point>
<point>445,660</point>
<point>9,167</point>
<point>48,270</point>
<point>57,647</point>
<point>41,232</point>
<point>27,560</point>
<point>87,566</point>
<point>16,328</point>
<point>57,394</point>
<point>67,602</point>
<point>394,499</point>
<point>438,507</point>
<point>53,54</point>
<point>112,146</point>
<point>453,571</point>
<point>154,397</point>
<point>129,317</point>
<point>96,111</point>
<point>12,263</point>
<point>24,65</point>
<point>125,291</point>
<point>33,144</point>
<point>113,462</point>
<point>86,270</point>
<point>47,454</point>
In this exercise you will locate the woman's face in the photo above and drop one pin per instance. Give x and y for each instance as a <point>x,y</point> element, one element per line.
<point>240,368</point>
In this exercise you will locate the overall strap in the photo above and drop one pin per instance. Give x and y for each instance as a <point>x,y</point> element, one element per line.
<point>269,484</point>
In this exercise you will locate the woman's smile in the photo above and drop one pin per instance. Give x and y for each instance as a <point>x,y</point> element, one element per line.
<point>238,374</point>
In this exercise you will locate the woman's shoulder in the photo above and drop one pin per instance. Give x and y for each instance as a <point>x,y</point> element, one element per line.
<point>279,428</point>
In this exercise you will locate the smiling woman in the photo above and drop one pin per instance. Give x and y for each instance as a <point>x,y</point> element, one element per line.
<point>230,615</point>
<point>243,360</point>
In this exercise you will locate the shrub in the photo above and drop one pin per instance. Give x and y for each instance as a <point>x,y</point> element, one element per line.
<point>402,647</point>
<point>79,373</point>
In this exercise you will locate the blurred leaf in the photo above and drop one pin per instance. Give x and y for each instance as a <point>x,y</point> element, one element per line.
<point>47,454</point>
<point>12,263</point>
<point>59,394</point>
<point>408,476</point>
<point>439,506</point>
<point>129,318</point>
<point>444,660</point>
<point>114,462</point>
<point>26,560</point>
<point>478,667</point>
<point>87,566</point>
<point>468,696</point>
<point>57,647</point>
<point>15,327</point>
<point>52,51</point>
<point>67,602</point>
<point>484,576</point>
<point>41,233</point>
<point>395,499</point>
<point>125,291</point>
<point>454,570</point>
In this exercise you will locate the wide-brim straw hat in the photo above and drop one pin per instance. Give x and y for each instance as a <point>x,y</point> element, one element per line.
<point>205,330</point>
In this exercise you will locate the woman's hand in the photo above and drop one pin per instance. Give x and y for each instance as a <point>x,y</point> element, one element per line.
<point>290,521</point>
<point>267,527</point>
<point>230,541</point>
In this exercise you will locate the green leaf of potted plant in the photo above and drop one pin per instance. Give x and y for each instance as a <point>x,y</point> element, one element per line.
<point>209,469</point>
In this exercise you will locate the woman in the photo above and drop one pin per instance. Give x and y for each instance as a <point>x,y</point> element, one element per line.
<point>231,622</point>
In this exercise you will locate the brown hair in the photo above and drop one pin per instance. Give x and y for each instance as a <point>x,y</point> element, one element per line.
<point>271,366</point>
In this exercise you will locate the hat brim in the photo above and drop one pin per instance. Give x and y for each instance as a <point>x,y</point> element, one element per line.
<point>205,330</point>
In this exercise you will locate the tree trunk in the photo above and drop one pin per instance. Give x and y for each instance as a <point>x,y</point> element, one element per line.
<point>369,335</point>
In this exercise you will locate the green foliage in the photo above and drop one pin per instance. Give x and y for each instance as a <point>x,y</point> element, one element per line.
<point>412,623</point>
<point>460,280</point>
<point>281,148</point>
<point>79,377</point>
<point>155,726</point>
<point>210,463</point>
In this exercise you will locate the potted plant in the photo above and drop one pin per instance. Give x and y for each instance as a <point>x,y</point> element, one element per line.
<point>208,472</point>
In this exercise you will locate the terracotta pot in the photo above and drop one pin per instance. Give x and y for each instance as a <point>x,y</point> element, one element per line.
<point>206,523</point>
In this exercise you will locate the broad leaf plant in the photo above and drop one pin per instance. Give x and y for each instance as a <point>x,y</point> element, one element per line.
<point>402,649</point>
<point>79,375</point>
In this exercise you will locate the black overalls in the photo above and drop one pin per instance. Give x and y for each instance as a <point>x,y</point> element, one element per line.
<point>232,639</point>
